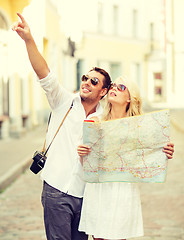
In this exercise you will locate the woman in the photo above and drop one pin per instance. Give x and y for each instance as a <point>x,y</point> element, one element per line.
<point>113,210</point>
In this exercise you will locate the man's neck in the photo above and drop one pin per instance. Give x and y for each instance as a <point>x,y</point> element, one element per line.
<point>89,107</point>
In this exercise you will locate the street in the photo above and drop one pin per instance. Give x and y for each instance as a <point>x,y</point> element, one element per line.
<point>21,210</point>
<point>162,204</point>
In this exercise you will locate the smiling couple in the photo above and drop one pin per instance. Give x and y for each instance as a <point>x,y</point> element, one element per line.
<point>110,210</point>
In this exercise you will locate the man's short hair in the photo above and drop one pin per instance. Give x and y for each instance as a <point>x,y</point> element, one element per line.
<point>107,82</point>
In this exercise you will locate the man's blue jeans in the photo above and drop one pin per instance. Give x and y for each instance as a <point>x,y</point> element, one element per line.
<point>61,215</point>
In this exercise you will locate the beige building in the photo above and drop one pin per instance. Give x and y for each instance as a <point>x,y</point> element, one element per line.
<point>137,38</point>
<point>23,104</point>
<point>140,39</point>
<point>8,11</point>
<point>124,39</point>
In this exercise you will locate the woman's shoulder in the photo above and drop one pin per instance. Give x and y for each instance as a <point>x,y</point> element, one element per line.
<point>95,119</point>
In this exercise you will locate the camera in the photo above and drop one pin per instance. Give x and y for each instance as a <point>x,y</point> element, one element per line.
<point>38,162</point>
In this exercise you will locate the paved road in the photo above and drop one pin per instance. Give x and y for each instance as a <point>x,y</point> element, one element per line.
<point>163,204</point>
<point>15,154</point>
<point>21,210</point>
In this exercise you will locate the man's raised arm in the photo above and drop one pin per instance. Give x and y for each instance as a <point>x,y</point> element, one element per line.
<point>37,61</point>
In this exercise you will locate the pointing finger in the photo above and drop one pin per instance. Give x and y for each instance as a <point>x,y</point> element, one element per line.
<point>21,17</point>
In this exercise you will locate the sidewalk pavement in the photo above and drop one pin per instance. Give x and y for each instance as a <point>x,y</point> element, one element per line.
<point>177,119</point>
<point>176,115</point>
<point>16,154</point>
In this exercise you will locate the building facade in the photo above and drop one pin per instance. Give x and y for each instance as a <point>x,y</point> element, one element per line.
<point>140,39</point>
<point>8,11</point>
<point>137,38</point>
<point>122,39</point>
<point>23,104</point>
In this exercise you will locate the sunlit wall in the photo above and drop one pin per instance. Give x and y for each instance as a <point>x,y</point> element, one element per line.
<point>140,39</point>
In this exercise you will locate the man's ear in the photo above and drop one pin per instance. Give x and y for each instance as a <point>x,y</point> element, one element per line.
<point>103,92</point>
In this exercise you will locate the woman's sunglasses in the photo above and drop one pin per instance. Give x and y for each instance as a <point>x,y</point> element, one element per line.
<point>94,80</point>
<point>120,87</point>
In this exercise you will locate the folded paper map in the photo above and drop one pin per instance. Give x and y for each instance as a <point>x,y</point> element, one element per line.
<point>127,149</point>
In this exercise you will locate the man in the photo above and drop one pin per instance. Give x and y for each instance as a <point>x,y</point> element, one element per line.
<point>62,174</point>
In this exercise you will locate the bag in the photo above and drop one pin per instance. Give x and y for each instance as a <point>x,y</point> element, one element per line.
<point>38,162</point>
<point>39,158</point>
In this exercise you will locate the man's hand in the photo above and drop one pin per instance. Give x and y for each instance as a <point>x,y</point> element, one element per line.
<point>22,28</point>
<point>83,150</point>
<point>169,150</point>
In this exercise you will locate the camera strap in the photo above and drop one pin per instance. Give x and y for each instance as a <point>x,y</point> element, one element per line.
<point>45,151</point>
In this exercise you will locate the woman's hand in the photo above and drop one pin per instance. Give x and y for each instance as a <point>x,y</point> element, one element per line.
<point>169,150</point>
<point>83,150</point>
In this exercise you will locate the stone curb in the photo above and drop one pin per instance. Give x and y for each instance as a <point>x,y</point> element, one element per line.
<point>177,126</point>
<point>14,173</point>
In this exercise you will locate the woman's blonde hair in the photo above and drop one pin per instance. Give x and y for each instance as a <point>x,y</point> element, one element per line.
<point>134,107</point>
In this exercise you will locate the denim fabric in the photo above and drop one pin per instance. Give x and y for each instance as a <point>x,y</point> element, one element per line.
<point>61,215</point>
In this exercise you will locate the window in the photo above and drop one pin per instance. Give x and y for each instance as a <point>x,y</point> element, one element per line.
<point>115,70</point>
<point>5,85</point>
<point>136,73</point>
<point>100,17</point>
<point>80,65</point>
<point>134,23</point>
<point>151,36</point>
<point>115,19</point>
<point>158,85</point>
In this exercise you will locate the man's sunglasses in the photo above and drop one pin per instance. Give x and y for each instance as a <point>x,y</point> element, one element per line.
<point>94,80</point>
<point>120,87</point>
